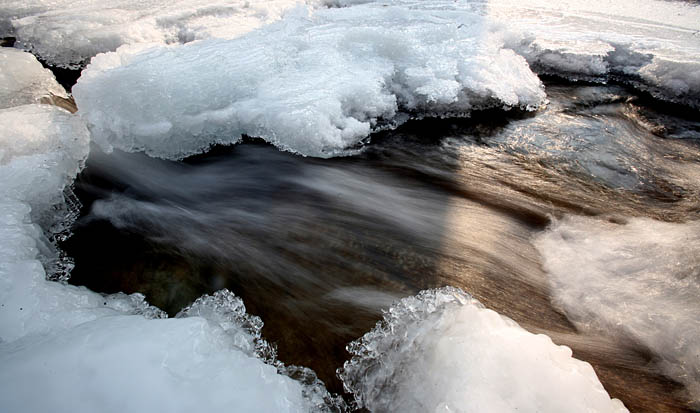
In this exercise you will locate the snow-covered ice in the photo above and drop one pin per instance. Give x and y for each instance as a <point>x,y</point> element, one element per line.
<point>68,33</point>
<point>442,351</point>
<point>316,83</point>
<point>640,279</point>
<point>653,44</point>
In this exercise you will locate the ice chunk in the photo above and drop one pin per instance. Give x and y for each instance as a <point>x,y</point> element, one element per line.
<point>42,148</point>
<point>68,33</point>
<point>23,80</point>
<point>640,279</point>
<point>129,363</point>
<point>442,351</point>
<point>316,84</point>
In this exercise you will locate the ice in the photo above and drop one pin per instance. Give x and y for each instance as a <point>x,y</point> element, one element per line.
<point>442,351</point>
<point>42,148</point>
<point>129,363</point>
<point>23,80</point>
<point>316,83</point>
<point>652,44</point>
<point>67,349</point>
<point>68,33</point>
<point>639,280</point>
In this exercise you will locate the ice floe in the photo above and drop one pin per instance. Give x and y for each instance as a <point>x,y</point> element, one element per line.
<point>316,83</point>
<point>442,351</point>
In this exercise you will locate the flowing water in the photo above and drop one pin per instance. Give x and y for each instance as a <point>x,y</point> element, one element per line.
<point>318,248</point>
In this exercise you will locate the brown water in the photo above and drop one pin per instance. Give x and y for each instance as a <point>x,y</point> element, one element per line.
<point>317,248</point>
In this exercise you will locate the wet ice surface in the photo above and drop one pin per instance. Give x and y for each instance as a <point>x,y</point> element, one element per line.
<point>433,203</point>
<point>320,81</point>
<point>652,44</point>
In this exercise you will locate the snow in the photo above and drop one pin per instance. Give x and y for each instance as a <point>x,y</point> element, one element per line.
<point>23,80</point>
<point>442,351</point>
<point>68,33</point>
<point>316,83</point>
<point>653,45</point>
<point>640,279</point>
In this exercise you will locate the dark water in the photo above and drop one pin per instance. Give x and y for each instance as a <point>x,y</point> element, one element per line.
<point>317,248</point>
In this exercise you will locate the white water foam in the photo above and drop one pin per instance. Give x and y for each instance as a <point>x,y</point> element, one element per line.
<point>442,351</point>
<point>638,281</point>
<point>315,83</point>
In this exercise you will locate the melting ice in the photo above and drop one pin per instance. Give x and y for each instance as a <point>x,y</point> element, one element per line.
<point>318,82</point>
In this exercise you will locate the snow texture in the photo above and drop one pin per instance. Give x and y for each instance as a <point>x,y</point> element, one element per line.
<point>442,351</point>
<point>68,33</point>
<point>638,280</point>
<point>316,83</point>
<point>653,45</point>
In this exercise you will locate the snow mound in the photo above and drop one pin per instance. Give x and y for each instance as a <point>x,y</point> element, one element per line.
<point>68,33</point>
<point>23,80</point>
<point>442,351</point>
<point>638,280</point>
<point>316,84</point>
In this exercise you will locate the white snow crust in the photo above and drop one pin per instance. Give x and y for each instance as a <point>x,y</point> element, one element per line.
<point>638,280</point>
<point>315,83</point>
<point>652,44</point>
<point>68,33</point>
<point>442,351</point>
<point>23,80</point>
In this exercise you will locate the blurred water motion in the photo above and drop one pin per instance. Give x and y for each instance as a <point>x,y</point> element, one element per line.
<point>317,248</point>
